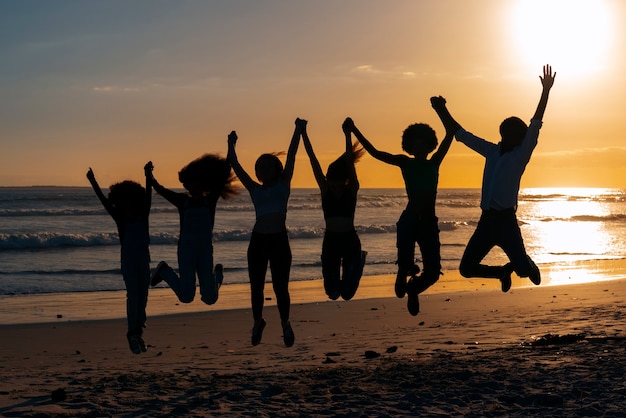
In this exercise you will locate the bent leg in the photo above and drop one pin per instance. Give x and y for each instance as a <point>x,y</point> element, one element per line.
<point>206,278</point>
<point>331,267</point>
<point>405,242</point>
<point>430,247</point>
<point>512,244</point>
<point>479,245</point>
<point>353,262</point>
<point>184,286</point>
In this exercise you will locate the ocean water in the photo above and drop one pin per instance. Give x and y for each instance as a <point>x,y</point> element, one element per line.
<point>58,239</point>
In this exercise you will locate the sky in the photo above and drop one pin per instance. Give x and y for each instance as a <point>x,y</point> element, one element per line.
<point>114,84</point>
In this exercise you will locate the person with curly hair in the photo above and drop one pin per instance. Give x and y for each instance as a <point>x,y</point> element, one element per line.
<point>129,203</point>
<point>418,222</point>
<point>206,179</point>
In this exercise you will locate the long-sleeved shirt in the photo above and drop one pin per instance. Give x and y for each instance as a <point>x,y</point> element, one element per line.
<point>502,173</point>
<point>184,202</point>
<point>134,231</point>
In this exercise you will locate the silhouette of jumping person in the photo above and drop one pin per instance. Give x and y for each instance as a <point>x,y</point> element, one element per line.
<point>418,222</point>
<point>206,179</point>
<point>505,163</point>
<point>128,204</point>
<point>269,242</point>
<point>341,245</point>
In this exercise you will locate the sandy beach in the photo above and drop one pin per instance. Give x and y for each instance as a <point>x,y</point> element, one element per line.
<point>473,351</point>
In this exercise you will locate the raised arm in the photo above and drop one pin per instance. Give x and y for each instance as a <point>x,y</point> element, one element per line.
<point>96,188</point>
<point>147,169</point>
<point>379,155</point>
<point>315,164</point>
<point>547,81</point>
<point>169,195</point>
<point>290,162</point>
<point>244,178</point>
<point>439,103</point>
<point>354,181</point>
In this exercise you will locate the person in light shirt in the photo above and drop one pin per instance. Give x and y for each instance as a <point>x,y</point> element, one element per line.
<point>505,163</point>
<point>269,243</point>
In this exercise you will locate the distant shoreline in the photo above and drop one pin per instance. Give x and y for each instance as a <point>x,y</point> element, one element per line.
<point>44,186</point>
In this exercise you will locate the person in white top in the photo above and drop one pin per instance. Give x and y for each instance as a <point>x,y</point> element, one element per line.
<point>505,163</point>
<point>269,243</point>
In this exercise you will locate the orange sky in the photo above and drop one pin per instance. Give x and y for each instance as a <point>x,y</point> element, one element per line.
<point>111,85</point>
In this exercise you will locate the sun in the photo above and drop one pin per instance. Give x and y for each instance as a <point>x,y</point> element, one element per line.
<point>574,36</point>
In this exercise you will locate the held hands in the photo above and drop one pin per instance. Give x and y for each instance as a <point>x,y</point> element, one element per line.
<point>347,126</point>
<point>147,169</point>
<point>232,138</point>
<point>301,125</point>
<point>438,102</point>
<point>548,77</point>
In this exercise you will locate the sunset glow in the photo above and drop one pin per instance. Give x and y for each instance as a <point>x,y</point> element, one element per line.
<point>112,85</point>
<point>576,35</point>
<point>570,224</point>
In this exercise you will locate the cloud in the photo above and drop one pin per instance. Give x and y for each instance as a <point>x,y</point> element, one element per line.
<point>114,89</point>
<point>602,157</point>
<point>370,70</point>
<point>587,150</point>
<point>366,69</point>
<point>619,152</point>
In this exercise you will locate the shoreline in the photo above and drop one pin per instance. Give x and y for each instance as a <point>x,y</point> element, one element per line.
<point>467,353</point>
<point>101,305</point>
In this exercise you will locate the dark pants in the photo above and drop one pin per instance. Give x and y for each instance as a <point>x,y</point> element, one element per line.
<point>341,249</point>
<point>425,232</point>
<point>273,249</point>
<point>496,228</point>
<point>135,266</point>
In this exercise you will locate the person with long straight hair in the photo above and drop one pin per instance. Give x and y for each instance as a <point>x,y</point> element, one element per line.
<point>341,246</point>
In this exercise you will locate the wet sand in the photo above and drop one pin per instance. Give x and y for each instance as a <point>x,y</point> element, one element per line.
<point>549,350</point>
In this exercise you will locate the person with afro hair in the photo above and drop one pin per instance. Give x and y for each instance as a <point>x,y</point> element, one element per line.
<point>418,222</point>
<point>128,203</point>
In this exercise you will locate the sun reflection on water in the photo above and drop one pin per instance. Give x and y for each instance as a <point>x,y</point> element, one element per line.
<point>569,226</point>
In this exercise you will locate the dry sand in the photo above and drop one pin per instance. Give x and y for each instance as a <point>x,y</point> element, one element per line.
<point>546,350</point>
